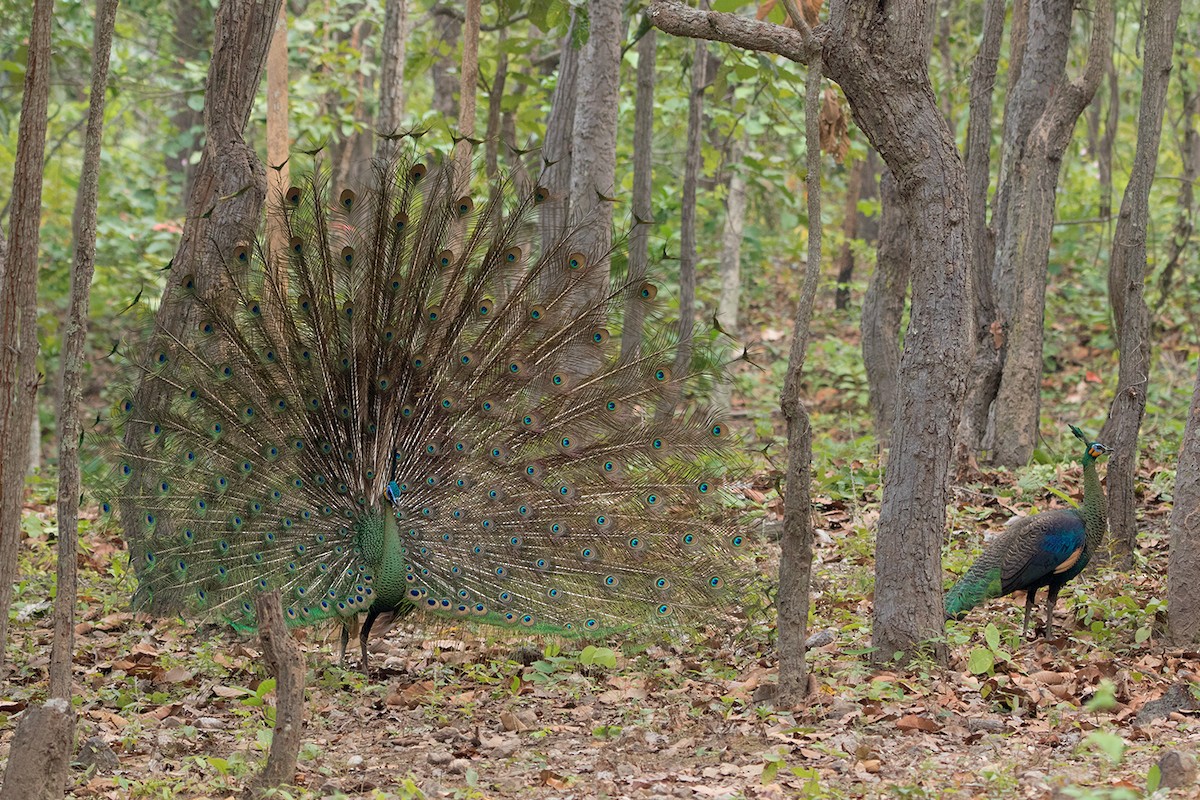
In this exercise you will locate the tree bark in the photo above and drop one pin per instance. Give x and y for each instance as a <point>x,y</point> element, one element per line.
<point>795,561</point>
<point>193,29</point>
<point>1025,248</point>
<point>845,260</point>
<point>880,59</point>
<point>556,147</point>
<point>75,337</point>
<point>38,764</point>
<point>594,138</point>
<point>986,364</point>
<point>730,266</point>
<point>692,163</point>
<point>494,117</point>
<point>229,187</point>
<point>446,27</point>
<point>1183,566</point>
<point>1128,263</point>
<point>393,89</point>
<point>1185,218</point>
<point>883,308</point>
<point>643,179</point>
<point>286,663</point>
<point>278,142</point>
<point>468,78</point>
<point>18,304</point>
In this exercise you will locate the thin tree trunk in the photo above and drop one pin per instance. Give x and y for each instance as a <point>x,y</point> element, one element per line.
<point>1183,566</point>
<point>947,64</point>
<point>594,138</point>
<point>1185,218</point>
<point>468,77</point>
<point>75,337</point>
<point>883,308</point>
<point>193,29</point>
<point>692,163</point>
<point>730,265</point>
<point>1129,262</point>
<point>18,304</point>
<point>845,259</point>
<point>494,119</point>
<point>642,202</point>
<point>286,663</point>
<point>795,562</point>
<point>985,367</point>
<point>446,27</point>
<point>393,89</point>
<point>278,142</point>
<point>556,147</point>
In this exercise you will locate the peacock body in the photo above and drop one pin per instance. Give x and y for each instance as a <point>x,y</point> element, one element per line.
<point>419,406</point>
<point>1041,550</point>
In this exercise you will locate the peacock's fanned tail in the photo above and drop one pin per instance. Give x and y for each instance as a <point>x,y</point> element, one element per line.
<point>417,402</point>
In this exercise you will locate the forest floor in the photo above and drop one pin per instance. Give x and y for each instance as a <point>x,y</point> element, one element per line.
<point>449,713</point>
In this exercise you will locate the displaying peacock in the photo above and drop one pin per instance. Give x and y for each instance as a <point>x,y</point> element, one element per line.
<point>419,406</point>
<point>1046,549</point>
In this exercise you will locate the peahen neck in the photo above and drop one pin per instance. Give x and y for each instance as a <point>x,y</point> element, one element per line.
<point>1095,514</point>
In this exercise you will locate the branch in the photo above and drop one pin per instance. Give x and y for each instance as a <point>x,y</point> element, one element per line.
<point>673,17</point>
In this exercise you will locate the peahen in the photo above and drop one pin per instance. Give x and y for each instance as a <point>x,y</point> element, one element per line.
<point>1046,549</point>
<point>419,406</point>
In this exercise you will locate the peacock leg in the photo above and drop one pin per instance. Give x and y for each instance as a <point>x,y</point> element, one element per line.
<point>1051,600</point>
<point>363,633</point>
<point>1030,601</point>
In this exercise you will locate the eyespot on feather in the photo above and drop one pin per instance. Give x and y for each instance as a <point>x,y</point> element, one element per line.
<point>647,291</point>
<point>576,261</point>
<point>348,255</point>
<point>346,199</point>
<point>416,172</point>
<point>464,205</point>
<point>292,196</point>
<point>445,258</point>
<point>241,253</point>
<point>540,195</point>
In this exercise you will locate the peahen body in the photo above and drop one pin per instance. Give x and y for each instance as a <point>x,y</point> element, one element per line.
<point>1046,549</point>
<point>419,406</point>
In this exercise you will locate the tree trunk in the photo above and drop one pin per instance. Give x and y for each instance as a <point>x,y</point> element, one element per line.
<point>1185,218</point>
<point>468,78</point>
<point>1018,400</point>
<point>1129,264</point>
<point>594,138</point>
<point>1038,63</point>
<point>278,143</point>
<point>730,265</point>
<point>985,367</point>
<point>692,163</point>
<point>393,89</point>
<point>883,307</point>
<point>229,187</point>
<point>881,62</point>
<point>556,147</point>
<point>193,30</point>
<point>495,100</point>
<point>845,260</point>
<point>18,304</point>
<point>948,76</point>
<point>795,560</point>
<point>74,339</point>
<point>286,662</point>
<point>446,27</point>
<point>1183,567</point>
<point>643,174</point>
<point>38,765</point>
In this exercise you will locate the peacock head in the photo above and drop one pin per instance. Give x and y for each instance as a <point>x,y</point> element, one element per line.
<point>1094,449</point>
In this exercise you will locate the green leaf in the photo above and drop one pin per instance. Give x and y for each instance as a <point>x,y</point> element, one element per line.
<point>1104,699</point>
<point>991,635</point>
<point>1142,634</point>
<point>1153,779</point>
<point>980,661</point>
<point>1110,744</point>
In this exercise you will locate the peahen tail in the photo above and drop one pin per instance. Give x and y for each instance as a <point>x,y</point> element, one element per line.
<point>981,582</point>
<point>418,403</point>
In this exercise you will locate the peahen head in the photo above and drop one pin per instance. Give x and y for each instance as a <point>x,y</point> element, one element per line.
<point>1094,449</point>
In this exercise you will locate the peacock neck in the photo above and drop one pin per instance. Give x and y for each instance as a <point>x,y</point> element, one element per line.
<point>1095,514</point>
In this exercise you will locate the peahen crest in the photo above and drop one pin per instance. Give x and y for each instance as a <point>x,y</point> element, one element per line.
<point>417,403</point>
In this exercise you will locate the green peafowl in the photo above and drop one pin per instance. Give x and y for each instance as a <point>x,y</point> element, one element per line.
<point>418,406</point>
<point>1046,549</point>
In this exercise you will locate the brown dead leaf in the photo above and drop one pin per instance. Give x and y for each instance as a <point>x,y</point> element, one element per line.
<point>913,722</point>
